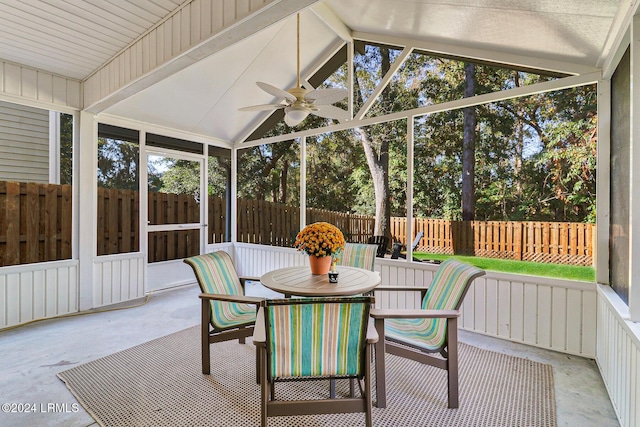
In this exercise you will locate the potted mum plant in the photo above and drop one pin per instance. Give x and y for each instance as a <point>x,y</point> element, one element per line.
<point>321,241</point>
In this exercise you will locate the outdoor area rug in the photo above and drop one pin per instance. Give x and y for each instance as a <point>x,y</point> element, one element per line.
<point>160,383</point>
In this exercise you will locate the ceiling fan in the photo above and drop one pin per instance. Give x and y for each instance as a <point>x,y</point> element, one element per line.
<point>298,102</point>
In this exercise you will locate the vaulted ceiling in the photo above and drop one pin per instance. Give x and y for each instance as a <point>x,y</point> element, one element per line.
<point>199,89</point>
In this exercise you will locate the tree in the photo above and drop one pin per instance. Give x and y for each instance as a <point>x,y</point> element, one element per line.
<point>118,163</point>
<point>469,147</point>
<point>377,139</point>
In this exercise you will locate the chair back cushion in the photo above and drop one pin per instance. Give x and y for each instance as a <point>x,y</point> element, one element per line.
<point>449,285</point>
<point>359,255</point>
<point>311,337</point>
<point>446,292</point>
<point>216,274</point>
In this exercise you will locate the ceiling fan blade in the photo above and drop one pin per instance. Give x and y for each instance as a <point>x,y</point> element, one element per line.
<point>330,112</point>
<point>326,96</point>
<point>262,107</point>
<point>279,93</point>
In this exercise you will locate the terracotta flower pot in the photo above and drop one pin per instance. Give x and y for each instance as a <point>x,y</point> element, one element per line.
<point>320,265</point>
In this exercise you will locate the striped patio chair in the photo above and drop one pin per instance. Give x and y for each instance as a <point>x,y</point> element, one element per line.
<point>315,339</point>
<point>415,334</point>
<point>359,255</point>
<point>227,313</point>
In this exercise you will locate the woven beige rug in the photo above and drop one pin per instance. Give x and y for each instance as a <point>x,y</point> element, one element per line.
<point>160,383</point>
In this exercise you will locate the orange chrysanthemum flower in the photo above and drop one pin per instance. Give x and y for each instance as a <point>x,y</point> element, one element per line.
<point>320,239</point>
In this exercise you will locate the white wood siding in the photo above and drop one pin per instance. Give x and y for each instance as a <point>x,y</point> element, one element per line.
<point>618,356</point>
<point>555,314</point>
<point>24,143</point>
<point>27,84</point>
<point>118,278</point>
<point>187,27</point>
<point>255,260</point>
<point>36,291</point>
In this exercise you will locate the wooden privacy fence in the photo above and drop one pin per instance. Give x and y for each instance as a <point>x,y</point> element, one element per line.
<point>118,228</point>
<point>555,242</point>
<point>277,224</point>
<point>35,222</point>
<point>118,221</point>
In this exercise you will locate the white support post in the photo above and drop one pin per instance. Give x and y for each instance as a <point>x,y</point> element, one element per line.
<point>54,147</point>
<point>234,195</point>
<point>410,173</point>
<point>86,181</point>
<point>303,182</point>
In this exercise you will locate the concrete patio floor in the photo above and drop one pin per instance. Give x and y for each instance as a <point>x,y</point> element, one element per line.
<point>33,354</point>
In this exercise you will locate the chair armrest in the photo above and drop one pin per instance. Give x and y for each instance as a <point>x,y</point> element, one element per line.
<point>413,314</point>
<point>251,278</point>
<point>232,298</point>
<point>259,332</point>
<point>372,334</point>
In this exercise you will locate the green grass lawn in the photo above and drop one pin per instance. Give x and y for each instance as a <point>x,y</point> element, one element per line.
<point>561,271</point>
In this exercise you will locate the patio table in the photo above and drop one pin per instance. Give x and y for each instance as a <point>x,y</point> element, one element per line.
<point>299,281</point>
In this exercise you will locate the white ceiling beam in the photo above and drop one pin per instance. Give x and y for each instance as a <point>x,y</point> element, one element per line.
<point>332,21</point>
<point>618,38</point>
<point>548,86</point>
<point>393,69</point>
<point>543,64</point>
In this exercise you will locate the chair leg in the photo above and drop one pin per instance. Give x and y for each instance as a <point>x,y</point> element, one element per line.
<point>204,337</point>
<point>258,362</point>
<point>264,388</point>
<point>452,361</point>
<point>381,392</point>
<point>367,388</point>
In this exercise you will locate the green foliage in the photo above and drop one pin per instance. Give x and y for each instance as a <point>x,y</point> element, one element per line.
<point>535,156</point>
<point>118,163</point>
<point>66,148</point>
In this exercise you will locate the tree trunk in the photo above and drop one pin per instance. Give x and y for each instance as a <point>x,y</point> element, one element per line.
<point>377,154</point>
<point>378,163</point>
<point>469,147</point>
<point>519,143</point>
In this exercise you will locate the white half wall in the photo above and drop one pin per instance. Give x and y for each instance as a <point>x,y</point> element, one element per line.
<point>37,291</point>
<point>618,356</point>
<point>118,278</point>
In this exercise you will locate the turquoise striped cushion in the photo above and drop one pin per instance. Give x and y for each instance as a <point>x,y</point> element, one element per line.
<point>444,293</point>
<point>217,275</point>
<point>309,337</point>
<point>359,255</point>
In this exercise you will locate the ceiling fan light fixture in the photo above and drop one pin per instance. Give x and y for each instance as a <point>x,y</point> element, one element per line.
<point>295,114</point>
